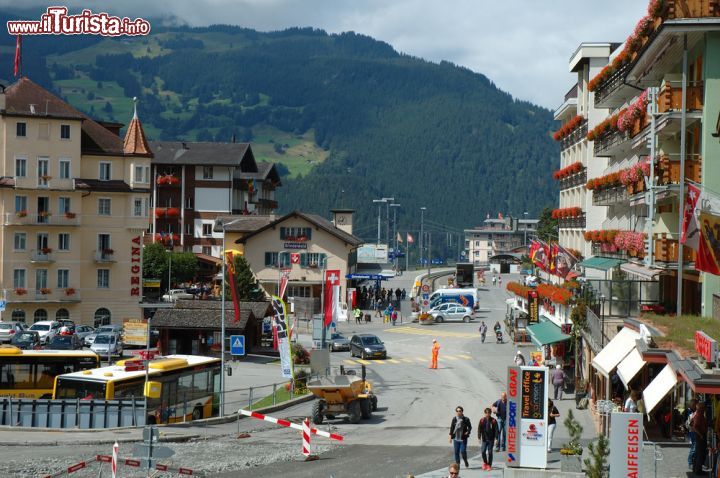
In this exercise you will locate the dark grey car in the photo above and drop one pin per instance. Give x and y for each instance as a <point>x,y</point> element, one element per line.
<point>367,346</point>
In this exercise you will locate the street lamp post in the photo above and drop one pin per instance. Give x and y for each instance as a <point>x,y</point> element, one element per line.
<point>422,237</point>
<point>388,202</point>
<point>379,203</point>
<point>602,320</point>
<point>525,228</point>
<point>395,206</point>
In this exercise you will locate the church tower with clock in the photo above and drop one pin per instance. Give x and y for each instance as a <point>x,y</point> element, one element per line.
<point>343,219</point>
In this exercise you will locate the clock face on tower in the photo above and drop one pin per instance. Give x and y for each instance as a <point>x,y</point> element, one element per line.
<point>341,219</point>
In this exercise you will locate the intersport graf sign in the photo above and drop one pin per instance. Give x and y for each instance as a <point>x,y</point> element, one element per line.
<point>526,426</point>
<point>626,441</point>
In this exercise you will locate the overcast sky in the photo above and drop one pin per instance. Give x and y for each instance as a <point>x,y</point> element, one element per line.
<point>522,45</point>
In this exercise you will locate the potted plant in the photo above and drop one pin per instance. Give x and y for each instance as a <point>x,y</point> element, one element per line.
<point>45,177</point>
<point>70,215</point>
<point>69,291</point>
<point>44,291</point>
<point>44,214</point>
<point>46,250</point>
<point>20,291</point>
<point>108,252</point>
<point>21,213</point>
<point>571,452</point>
<point>581,391</point>
<point>425,319</point>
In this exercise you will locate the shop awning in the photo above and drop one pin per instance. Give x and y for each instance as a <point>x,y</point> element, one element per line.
<point>601,263</point>
<point>616,350</point>
<point>546,333</point>
<point>658,388</point>
<point>630,366</point>
<point>638,270</point>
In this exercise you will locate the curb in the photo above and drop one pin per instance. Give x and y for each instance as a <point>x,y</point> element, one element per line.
<point>175,438</point>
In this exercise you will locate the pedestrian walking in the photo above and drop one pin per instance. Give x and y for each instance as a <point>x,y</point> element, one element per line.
<point>499,281</point>
<point>553,413</point>
<point>519,359</point>
<point>394,316</point>
<point>631,402</point>
<point>494,280</point>
<point>483,331</point>
<point>699,427</point>
<point>403,294</point>
<point>558,381</point>
<point>500,410</point>
<point>435,352</point>
<point>460,428</point>
<point>453,470</point>
<point>358,315</point>
<point>487,433</point>
<point>688,415</point>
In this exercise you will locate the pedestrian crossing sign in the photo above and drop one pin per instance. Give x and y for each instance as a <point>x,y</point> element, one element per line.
<point>237,345</point>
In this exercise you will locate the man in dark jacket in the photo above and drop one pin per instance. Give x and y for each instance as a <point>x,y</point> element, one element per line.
<point>487,432</point>
<point>460,428</point>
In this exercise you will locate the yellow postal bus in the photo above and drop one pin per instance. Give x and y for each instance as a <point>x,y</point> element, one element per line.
<point>31,373</point>
<point>189,386</point>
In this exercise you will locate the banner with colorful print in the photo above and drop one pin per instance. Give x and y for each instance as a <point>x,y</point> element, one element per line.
<point>708,253</point>
<point>280,322</point>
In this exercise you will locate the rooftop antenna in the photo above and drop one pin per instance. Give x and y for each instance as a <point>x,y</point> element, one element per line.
<point>135,102</point>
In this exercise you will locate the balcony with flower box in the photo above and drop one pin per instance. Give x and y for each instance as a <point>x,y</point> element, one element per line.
<point>44,182</point>
<point>613,92</point>
<point>667,249</point>
<point>572,222</point>
<point>104,256</point>
<point>577,135</point>
<point>43,255</point>
<point>670,97</point>
<point>667,169</point>
<point>610,196</point>
<point>575,180</point>
<point>609,251</point>
<point>26,218</point>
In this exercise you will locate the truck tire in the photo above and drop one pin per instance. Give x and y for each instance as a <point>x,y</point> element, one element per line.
<point>373,401</point>
<point>365,408</point>
<point>317,412</point>
<point>354,411</point>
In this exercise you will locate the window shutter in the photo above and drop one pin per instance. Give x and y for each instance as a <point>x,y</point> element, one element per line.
<point>303,260</point>
<point>308,233</point>
<point>282,233</point>
<point>323,261</point>
<point>268,259</point>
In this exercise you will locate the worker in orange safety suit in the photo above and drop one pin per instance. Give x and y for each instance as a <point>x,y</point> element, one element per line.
<point>435,351</point>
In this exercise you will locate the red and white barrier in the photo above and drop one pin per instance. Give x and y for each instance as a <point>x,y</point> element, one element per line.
<point>306,438</point>
<point>114,461</point>
<point>289,424</point>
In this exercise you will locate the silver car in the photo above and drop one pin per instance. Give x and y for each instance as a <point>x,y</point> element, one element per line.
<point>454,313</point>
<point>339,342</point>
<point>107,345</point>
<point>9,329</point>
<point>83,331</point>
<point>103,329</point>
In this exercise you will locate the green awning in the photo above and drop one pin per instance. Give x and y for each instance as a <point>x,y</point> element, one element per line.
<point>601,263</point>
<point>546,333</point>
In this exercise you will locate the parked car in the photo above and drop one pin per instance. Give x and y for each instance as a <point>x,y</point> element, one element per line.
<point>442,307</point>
<point>9,329</point>
<point>26,340</point>
<point>455,313</point>
<point>64,342</point>
<point>175,294</point>
<point>107,344</point>
<point>103,329</point>
<point>47,329</point>
<point>367,346</point>
<point>339,342</point>
<point>83,331</point>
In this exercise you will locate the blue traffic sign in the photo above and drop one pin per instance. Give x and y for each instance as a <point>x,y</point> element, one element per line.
<point>2,305</point>
<point>237,345</point>
<point>426,296</point>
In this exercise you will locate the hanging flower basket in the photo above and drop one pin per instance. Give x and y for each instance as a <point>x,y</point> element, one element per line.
<point>44,214</point>
<point>46,178</point>
<point>21,213</point>
<point>45,291</point>
<point>69,291</point>
<point>160,212</point>
<point>173,180</point>
<point>173,212</point>
<point>46,250</point>
<point>20,291</point>
<point>70,215</point>
<point>108,251</point>
<point>161,180</point>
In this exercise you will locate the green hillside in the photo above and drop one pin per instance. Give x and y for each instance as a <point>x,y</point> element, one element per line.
<point>340,112</point>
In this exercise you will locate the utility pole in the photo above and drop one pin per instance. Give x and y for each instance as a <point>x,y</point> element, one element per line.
<point>429,253</point>
<point>422,237</point>
<point>379,203</point>
<point>388,201</point>
<point>395,206</point>
<point>681,193</point>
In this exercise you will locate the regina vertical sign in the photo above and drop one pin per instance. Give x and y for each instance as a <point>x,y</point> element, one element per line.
<point>626,440</point>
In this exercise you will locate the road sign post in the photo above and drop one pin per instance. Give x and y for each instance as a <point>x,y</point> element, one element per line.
<point>237,345</point>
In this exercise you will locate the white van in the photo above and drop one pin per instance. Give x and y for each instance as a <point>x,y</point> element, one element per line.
<point>464,297</point>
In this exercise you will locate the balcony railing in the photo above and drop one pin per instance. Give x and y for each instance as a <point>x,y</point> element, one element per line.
<point>577,135</point>
<point>610,196</point>
<point>572,222</point>
<point>267,203</point>
<point>670,97</point>
<point>693,8</point>
<point>667,169</point>
<point>666,250</point>
<point>36,182</point>
<point>40,256</point>
<point>605,143</point>
<point>611,85</point>
<point>104,256</point>
<point>603,250</point>
<point>45,219</point>
<point>51,295</point>
<point>574,180</point>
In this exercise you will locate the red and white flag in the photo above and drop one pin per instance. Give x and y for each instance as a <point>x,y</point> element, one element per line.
<point>113,462</point>
<point>690,232</point>
<point>410,239</point>
<point>18,58</point>
<point>332,296</point>
<point>283,283</point>
<point>399,237</point>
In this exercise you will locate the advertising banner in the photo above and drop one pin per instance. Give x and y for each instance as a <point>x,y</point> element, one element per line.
<point>527,412</point>
<point>533,307</point>
<point>513,417</point>
<point>626,440</point>
<point>282,327</point>
<point>372,254</point>
<point>135,332</point>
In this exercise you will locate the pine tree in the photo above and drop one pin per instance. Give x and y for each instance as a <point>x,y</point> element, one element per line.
<point>595,465</point>
<point>575,430</point>
<point>248,288</point>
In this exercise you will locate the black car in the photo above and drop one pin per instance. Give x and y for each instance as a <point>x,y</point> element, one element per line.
<point>64,342</point>
<point>367,346</point>
<point>26,340</point>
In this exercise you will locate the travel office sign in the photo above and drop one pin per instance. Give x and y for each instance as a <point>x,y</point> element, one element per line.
<point>527,414</point>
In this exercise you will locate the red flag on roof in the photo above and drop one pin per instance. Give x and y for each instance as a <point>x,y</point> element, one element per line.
<point>18,45</point>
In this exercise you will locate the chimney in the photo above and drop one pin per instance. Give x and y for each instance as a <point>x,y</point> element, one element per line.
<point>343,219</point>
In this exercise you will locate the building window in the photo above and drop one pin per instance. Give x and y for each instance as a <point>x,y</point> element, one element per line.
<point>63,205</point>
<point>138,207</point>
<point>142,174</point>
<point>188,202</point>
<point>103,206</point>
<point>20,242</point>
<point>62,314</point>
<point>103,278</point>
<point>188,228</point>
<point>102,317</point>
<point>21,130</point>
<point>271,259</point>
<point>105,171</point>
<point>64,241</point>
<point>298,291</point>
<point>207,172</point>
<point>41,279</point>
<point>40,315</point>
<point>207,250</point>
<point>313,259</point>
<point>43,170</point>
<point>19,278</point>
<point>63,278</point>
<point>477,253</point>
<point>477,243</point>
<point>64,169</point>
<point>18,315</point>
<point>20,167</point>
<point>64,131</point>
<point>21,204</point>
<point>296,233</point>
<point>207,229</point>
<point>44,131</point>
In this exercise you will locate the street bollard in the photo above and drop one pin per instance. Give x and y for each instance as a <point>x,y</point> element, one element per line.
<point>250,399</point>
<point>184,408</point>
<point>274,391</point>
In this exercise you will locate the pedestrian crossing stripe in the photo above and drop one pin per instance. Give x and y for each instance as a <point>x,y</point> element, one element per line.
<point>432,332</point>
<point>449,357</point>
<point>392,361</point>
<point>410,360</point>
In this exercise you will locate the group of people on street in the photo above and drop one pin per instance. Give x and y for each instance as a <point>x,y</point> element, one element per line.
<point>490,433</point>
<point>374,298</point>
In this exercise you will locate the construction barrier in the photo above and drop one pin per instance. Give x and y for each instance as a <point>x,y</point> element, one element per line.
<point>289,424</point>
<point>125,462</point>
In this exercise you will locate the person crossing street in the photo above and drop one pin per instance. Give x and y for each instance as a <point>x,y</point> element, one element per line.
<point>483,331</point>
<point>435,352</point>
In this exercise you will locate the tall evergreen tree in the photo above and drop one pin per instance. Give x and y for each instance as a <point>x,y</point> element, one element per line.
<point>248,288</point>
<point>547,227</point>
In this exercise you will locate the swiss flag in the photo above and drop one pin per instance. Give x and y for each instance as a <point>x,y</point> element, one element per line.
<point>332,296</point>
<point>295,258</point>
